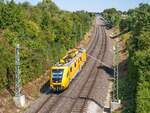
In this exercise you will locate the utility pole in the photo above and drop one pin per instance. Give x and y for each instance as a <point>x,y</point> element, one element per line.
<point>19,99</point>
<point>116,73</point>
<point>18,80</point>
<point>115,104</point>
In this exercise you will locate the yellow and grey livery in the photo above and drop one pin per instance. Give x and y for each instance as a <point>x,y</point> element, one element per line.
<point>65,70</point>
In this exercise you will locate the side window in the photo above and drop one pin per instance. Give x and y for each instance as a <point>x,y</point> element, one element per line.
<point>80,58</point>
<point>67,74</point>
<point>75,64</point>
<point>71,69</point>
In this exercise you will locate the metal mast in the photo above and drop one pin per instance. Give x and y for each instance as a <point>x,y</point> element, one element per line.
<point>116,72</point>
<point>18,79</point>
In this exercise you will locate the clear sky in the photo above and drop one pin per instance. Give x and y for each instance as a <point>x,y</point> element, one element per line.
<point>94,5</point>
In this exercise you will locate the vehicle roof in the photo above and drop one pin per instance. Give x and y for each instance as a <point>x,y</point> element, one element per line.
<point>58,65</point>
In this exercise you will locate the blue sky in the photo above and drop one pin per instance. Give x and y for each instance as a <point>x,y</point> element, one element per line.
<point>94,5</point>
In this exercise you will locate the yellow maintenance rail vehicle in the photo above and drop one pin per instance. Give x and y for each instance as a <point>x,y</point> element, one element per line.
<point>66,69</point>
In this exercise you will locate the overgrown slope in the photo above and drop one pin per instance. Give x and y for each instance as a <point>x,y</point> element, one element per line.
<point>44,33</point>
<point>135,89</point>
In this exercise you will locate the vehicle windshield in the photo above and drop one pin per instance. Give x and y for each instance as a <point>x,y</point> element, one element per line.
<point>57,73</point>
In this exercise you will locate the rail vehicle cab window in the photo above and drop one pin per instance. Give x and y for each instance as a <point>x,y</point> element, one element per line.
<point>57,73</point>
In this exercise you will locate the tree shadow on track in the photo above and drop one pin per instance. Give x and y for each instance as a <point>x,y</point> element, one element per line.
<point>45,89</point>
<point>97,103</point>
<point>122,68</point>
<point>108,70</point>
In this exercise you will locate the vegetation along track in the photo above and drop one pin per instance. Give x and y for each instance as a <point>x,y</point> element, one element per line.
<point>67,101</point>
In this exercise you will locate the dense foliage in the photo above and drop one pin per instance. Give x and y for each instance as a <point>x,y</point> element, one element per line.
<point>112,16</point>
<point>135,88</point>
<point>44,32</point>
<point>139,52</point>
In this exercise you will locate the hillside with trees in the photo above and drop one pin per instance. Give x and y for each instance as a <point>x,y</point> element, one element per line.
<point>135,89</point>
<point>44,33</point>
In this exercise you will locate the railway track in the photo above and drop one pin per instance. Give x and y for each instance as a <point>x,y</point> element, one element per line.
<point>70,92</point>
<point>74,100</point>
<point>70,102</point>
<point>81,103</point>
